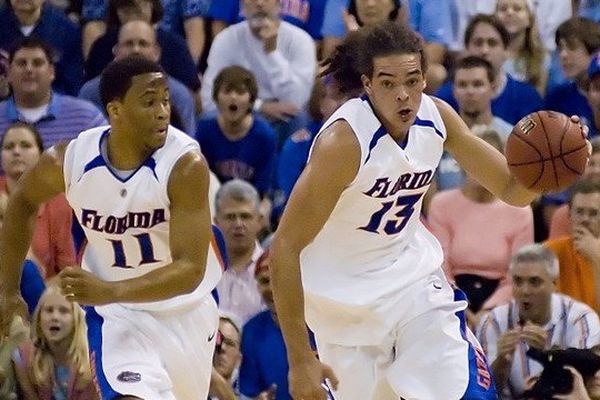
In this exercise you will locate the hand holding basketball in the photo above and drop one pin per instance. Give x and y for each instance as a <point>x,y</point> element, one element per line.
<point>547,151</point>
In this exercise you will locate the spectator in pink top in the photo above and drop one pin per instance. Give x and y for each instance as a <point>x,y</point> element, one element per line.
<point>52,246</point>
<point>479,234</point>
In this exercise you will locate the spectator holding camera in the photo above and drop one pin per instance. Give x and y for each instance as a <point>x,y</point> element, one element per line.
<point>536,317</point>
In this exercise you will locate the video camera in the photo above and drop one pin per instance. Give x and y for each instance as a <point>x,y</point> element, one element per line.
<point>555,379</point>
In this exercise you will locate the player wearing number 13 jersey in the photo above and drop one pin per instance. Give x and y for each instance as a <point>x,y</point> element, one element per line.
<point>363,272</point>
<point>139,190</point>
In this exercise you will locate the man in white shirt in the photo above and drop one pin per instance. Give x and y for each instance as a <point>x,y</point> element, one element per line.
<point>537,317</point>
<point>280,55</point>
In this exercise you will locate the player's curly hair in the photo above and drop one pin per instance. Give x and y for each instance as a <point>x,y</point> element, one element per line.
<point>354,57</point>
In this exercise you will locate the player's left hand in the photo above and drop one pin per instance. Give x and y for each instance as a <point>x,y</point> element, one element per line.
<point>586,131</point>
<point>83,287</point>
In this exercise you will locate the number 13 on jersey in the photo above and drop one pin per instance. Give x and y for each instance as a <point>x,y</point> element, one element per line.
<point>402,208</point>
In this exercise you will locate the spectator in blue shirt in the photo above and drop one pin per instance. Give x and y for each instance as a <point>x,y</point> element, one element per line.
<point>57,117</point>
<point>577,39</point>
<point>487,38</point>
<point>305,14</point>
<point>19,19</point>
<point>235,143</point>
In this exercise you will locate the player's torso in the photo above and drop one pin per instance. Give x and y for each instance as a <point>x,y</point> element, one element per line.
<point>125,219</point>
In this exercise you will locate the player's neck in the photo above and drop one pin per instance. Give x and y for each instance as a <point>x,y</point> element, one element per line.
<point>122,153</point>
<point>235,130</point>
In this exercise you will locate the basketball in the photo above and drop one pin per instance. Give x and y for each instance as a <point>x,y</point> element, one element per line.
<point>546,151</point>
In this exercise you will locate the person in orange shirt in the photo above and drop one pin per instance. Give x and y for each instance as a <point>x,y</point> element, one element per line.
<point>579,253</point>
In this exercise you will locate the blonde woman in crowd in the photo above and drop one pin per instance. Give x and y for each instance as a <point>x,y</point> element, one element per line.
<point>55,364</point>
<point>528,60</point>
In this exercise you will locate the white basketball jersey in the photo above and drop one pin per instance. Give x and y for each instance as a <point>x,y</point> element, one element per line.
<point>126,221</point>
<point>374,244</point>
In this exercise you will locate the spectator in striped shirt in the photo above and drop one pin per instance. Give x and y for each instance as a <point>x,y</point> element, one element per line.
<point>58,117</point>
<point>537,317</point>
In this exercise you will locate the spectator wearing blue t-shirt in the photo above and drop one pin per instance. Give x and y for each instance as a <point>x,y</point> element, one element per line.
<point>305,14</point>
<point>577,39</point>
<point>486,37</point>
<point>235,143</point>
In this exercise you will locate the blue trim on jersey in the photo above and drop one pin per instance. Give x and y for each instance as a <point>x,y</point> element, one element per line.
<point>100,161</point>
<point>94,330</point>
<point>78,234</point>
<point>429,124</point>
<point>379,133</point>
<point>221,248</point>
<point>474,391</point>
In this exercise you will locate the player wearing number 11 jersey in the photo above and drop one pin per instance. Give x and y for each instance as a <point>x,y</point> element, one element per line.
<point>139,190</point>
<point>351,257</point>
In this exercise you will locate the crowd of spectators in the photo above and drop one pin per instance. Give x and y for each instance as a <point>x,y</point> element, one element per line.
<point>244,82</point>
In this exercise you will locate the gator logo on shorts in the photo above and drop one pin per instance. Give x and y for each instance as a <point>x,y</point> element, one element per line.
<point>130,377</point>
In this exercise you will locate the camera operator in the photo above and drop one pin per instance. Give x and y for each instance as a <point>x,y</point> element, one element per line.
<point>536,317</point>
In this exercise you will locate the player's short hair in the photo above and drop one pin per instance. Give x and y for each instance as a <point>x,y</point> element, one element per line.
<point>490,20</point>
<point>584,186</point>
<point>580,29</point>
<point>536,253</point>
<point>116,78</point>
<point>236,78</point>
<point>354,57</point>
<point>39,142</point>
<point>32,42</point>
<point>238,190</point>
<point>470,62</point>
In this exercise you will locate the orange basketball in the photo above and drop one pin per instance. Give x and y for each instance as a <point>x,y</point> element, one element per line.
<point>546,151</point>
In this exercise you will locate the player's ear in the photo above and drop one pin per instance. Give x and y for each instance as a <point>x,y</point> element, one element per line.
<point>366,84</point>
<point>113,109</point>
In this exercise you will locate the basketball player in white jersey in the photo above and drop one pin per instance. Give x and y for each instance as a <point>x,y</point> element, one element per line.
<point>351,257</point>
<point>139,190</point>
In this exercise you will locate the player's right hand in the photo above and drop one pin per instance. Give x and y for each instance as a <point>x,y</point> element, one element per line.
<point>11,305</point>
<point>306,378</point>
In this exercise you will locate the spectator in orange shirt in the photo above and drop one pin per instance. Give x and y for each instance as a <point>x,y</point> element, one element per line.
<point>52,246</point>
<point>579,253</point>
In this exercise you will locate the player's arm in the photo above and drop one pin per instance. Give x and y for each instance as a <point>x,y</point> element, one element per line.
<point>481,160</point>
<point>333,165</point>
<point>44,181</point>
<point>190,234</point>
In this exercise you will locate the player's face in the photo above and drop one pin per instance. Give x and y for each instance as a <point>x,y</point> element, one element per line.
<point>585,211</point>
<point>372,12</point>
<point>486,42</point>
<point>19,151</point>
<point>574,57</point>
<point>395,89</point>
<point>514,14</point>
<point>240,223</point>
<point>592,170</point>
<point>146,110</point>
<point>228,357</point>
<point>56,318</point>
<point>30,72</point>
<point>472,89</point>
<point>263,281</point>
<point>233,104</point>
<point>532,289</point>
